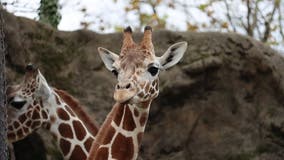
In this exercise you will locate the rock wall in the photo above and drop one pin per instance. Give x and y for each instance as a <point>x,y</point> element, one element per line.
<point>224,101</point>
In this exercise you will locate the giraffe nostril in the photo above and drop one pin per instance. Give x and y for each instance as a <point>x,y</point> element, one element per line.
<point>128,86</point>
<point>117,86</point>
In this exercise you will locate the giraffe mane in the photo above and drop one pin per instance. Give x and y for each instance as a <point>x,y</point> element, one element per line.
<point>78,109</point>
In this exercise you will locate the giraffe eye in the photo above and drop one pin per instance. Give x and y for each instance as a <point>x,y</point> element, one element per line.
<point>18,105</point>
<point>153,70</point>
<point>115,72</point>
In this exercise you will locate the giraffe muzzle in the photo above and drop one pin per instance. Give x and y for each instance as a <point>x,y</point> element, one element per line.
<point>125,93</point>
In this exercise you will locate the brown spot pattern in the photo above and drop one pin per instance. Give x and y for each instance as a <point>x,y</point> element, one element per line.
<point>143,119</point>
<point>136,112</point>
<point>139,137</point>
<point>78,154</point>
<point>65,131</point>
<point>147,87</point>
<point>147,95</point>
<point>10,128</point>
<point>28,123</point>
<point>79,130</point>
<point>11,136</point>
<point>35,115</point>
<point>152,90</point>
<point>57,100</point>
<point>108,137</point>
<point>62,114</point>
<point>156,87</point>
<point>128,121</point>
<point>44,114</point>
<point>154,83</point>
<point>20,133</point>
<point>141,94</point>
<point>69,110</point>
<point>26,130</point>
<point>29,113</point>
<point>156,94</point>
<point>118,116</point>
<point>102,154</point>
<point>16,124</point>
<point>35,124</point>
<point>37,107</point>
<point>41,103</point>
<point>122,148</point>
<point>65,146</point>
<point>30,106</point>
<point>47,126</point>
<point>22,118</point>
<point>88,143</point>
<point>145,104</point>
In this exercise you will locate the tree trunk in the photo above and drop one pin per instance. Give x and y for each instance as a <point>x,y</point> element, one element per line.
<point>3,126</point>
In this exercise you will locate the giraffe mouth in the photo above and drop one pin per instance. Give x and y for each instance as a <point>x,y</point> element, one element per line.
<point>124,96</point>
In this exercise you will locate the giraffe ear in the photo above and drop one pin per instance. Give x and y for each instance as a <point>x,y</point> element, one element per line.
<point>44,90</point>
<point>107,57</point>
<point>173,55</point>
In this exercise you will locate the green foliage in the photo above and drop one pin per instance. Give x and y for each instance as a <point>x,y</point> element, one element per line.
<point>203,7</point>
<point>48,12</point>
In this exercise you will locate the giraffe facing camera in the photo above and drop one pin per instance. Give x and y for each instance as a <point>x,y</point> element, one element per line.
<point>136,69</point>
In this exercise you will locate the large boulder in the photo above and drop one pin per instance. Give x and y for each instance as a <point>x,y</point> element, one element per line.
<point>224,101</point>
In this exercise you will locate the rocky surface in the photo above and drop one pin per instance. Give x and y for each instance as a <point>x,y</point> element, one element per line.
<point>224,101</point>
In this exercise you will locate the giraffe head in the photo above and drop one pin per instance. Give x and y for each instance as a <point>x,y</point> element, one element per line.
<point>137,67</point>
<point>25,104</point>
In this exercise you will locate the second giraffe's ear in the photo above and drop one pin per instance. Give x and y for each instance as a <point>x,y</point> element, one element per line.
<point>107,57</point>
<point>44,90</point>
<point>173,55</point>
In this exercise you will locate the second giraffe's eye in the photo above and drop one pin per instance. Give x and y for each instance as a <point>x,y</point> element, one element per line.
<point>153,70</point>
<point>115,72</point>
<point>18,105</point>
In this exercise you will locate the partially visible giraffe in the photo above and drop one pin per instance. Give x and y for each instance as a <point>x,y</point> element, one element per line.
<point>136,69</point>
<point>34,104</point>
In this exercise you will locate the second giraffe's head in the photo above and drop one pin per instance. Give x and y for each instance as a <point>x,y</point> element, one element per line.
<point>32,87</point>
<point>25,104</point>
<point>137,67</point>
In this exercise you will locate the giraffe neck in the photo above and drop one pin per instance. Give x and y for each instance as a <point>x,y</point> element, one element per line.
<point>72,136</point>
<point>121,133</point>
